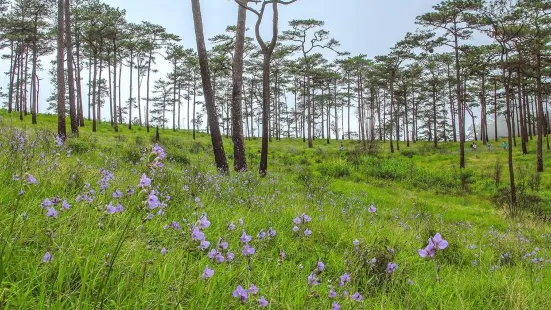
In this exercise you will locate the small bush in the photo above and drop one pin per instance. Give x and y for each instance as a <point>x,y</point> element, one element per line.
<point>408,153</point>
<point>79,147</point>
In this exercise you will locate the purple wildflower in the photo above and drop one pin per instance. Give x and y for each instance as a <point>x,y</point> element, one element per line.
<point>344,279</point>
<point>207,273</point>
<point>312,280</point>
<point>153,200</point>
<point>204,222</point>
<point>240,293</point>
<point>175,225</point>
<point>356,242</point>
<point>297,220</point>
<point>31,179</point>
<point>439,242</point>
<point>253,289</point>
<point>223,245</point>
<point>332,293</point>
<point>212,253</point>
<point>110,209</point>
<point>307,232</point>
<point>219,258</point>
<point>261,235</point>
<point>117,194</point>
<point>248,251</point>
<point>58,141</point>
<point>391,267</point>
<point>357,297</point>
<point>320,266</point>
<point>46,203</point>
<point>372,209</point>
<point>119,207</point>
<point>295,228</point>
<point>231,226</point>
<point>65,205</point>
<point>47,257</point>
<point>197,234</point>
<point>163,251</point>
<point>158,150</point>
<point>262,302</point>
<point>51,212</point>
<point>144,181</point>
<point>230,256</point>
<point>271,232</point>
<point>435,243</point>
<point>204,245</point>
<point>335,306</point>
<point>245,238</point>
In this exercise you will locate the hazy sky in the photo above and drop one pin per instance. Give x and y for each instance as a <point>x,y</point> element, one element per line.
<point>368,27</point>
<point>362,26</point>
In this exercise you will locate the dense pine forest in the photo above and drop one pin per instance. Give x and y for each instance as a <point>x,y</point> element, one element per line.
<point>269,167</point>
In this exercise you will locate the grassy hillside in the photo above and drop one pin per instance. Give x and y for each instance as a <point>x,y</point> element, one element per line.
<point>119,242</point>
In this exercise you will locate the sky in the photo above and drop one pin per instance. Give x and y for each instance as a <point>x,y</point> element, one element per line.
<point>368,27</point>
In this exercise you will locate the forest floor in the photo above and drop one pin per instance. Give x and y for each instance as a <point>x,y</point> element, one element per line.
<point>108,220</point>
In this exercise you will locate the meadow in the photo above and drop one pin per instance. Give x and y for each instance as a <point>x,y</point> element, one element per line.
<point>113,220</point>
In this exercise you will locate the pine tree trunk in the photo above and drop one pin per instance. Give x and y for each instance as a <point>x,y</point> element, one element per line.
<point>540,115</point>
<point>216,138</point>
<point>240,161</point>
<point>61,127</point>
<point>130,101</point>
<point>70,69</point>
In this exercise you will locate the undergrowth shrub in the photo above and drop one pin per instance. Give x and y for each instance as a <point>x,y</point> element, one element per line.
<point>371,261</point>
<point>79,147</point>
<point>313,182</point>
<point>408,153</point>
<point>336,169</point>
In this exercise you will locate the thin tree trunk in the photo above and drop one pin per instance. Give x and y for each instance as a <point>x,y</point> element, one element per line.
<point>61,127</point>
<point>70,70</point>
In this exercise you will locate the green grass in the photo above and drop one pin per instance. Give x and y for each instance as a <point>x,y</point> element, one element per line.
<point>416,197</point>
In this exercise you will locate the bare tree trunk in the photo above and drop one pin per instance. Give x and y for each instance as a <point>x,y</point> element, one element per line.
<point>61,128</point>
<point>70,70</point>
<point>79,84</point>
<point>34,98</point>
<point>94,92</point>
<point>13,65</point>
<point>130,101</point>
<point>460,108</point>
<point>240,161</point>
<point>434,115</point>
<point>115,122</point>
<point>540,114</point>
<point>216,138</point>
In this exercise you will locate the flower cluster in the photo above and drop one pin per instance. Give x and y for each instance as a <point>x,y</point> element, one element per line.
<point>243,294</point>
<point>49,205</point>
<point>106,177</point>
<point>301,223</point>
<point>217,254</point>
<point>88,195</point>
<point>247,249</point>
<point>197,233</point>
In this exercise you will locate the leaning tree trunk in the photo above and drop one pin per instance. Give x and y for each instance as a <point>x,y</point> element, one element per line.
<point>61,128</point>
<point>216,138</point>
